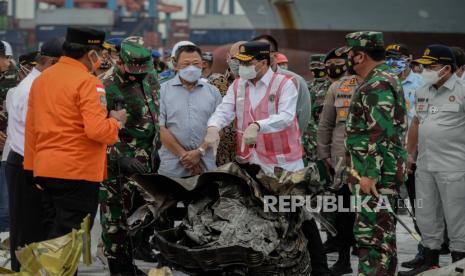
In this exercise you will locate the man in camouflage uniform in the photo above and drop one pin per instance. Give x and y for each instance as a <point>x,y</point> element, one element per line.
<point>133,86</point>
<point>319,85</point>
<point>376,127</point>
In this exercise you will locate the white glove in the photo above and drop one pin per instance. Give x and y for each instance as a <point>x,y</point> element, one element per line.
<point>212,139</point>
<point>250,135</point>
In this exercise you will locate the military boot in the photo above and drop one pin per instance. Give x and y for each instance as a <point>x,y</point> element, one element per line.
<point>417,261</point>
<point>431,262</point>
<point>342,265</point>
<point>123,268</point>
<point>457,256</point>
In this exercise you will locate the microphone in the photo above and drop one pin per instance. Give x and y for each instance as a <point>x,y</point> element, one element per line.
<point>119,101</point>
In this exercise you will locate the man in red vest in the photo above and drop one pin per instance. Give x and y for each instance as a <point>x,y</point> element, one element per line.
<point>263,105</point>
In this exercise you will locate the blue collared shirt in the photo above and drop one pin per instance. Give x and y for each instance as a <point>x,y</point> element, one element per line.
<point>410,85</point>
<point>185,114</point>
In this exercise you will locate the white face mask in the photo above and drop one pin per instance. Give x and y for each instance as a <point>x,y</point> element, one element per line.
<point>234,66</point>
<point>431,77</point>
<point>191,73</point>
<point>247,72</point>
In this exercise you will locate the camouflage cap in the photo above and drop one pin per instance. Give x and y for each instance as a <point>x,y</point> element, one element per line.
<point>317,58</point>
<point>365,39</point>
<point>136,58</point>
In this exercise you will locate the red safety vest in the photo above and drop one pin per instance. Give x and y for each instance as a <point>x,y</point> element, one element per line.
<point>272,148</point>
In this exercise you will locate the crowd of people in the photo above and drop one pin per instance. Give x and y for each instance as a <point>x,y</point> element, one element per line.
<point>84,114</point>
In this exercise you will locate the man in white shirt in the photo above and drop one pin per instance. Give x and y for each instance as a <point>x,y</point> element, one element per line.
<point>264,105</point>
<point>25,199</point>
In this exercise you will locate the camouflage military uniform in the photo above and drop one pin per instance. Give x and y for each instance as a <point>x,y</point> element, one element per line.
<point>136,140</point>
<point>8,80</point>
<point>317,88</point>
<point>227,147</point>
<point>376,127</point>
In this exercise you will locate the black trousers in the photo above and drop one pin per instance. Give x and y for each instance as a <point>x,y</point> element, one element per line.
<point>70,202</point>
<point>27,223</point>
<point>315,248</point>
<point>345,220</point>
<point>410,184</point>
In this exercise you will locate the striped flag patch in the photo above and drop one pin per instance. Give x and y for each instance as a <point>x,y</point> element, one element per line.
<point>100,88</point>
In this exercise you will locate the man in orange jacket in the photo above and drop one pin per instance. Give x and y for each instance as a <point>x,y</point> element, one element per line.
<point>68,130</point>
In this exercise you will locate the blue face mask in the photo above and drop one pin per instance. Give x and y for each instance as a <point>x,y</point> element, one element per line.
<point>191,73</point>
<point>397,65</point>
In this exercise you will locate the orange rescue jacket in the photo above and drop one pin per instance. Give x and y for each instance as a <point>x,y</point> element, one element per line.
<point>67,129</point>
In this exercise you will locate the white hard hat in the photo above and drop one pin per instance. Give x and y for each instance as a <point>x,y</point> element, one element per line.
<point>8,49</point>
<point>180,44</point>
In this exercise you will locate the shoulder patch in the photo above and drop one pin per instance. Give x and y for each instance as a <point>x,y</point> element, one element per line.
<point>100,88</point>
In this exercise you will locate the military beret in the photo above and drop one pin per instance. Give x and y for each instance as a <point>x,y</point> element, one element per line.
<point>136,57</point>
<point>85,36</point>
<point>254,49</point>
<point>366,39</point>
<point>437,54</point>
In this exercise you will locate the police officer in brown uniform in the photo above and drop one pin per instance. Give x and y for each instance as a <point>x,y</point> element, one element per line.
<point>331,149</point>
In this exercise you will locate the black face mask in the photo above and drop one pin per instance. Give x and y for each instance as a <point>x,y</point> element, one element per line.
<point>350,66</point>
<point>137,77</point>
<point>318,73</point>
<point>336,70</point>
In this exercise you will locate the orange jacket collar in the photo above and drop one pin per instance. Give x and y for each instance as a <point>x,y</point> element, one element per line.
<point>73,62</point>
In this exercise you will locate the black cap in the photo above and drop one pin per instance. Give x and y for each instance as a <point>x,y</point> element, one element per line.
<point>207,56</point>
<point>53,47</point>
<point>85,36</point>
<point>333,54</point>
<point>28,59</point>
<point>397,50</point>
<point>254,49</point>
<point>437,54</point>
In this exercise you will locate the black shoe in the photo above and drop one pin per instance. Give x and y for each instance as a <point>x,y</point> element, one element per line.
<point>457,256</point>
<point>415,263</point>
<point>145,253</point>
<point>342,266</point>
<point>123,268</point>
<point>431,262</point>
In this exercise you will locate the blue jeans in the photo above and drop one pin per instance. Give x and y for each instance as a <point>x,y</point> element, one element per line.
<point>4,210</point>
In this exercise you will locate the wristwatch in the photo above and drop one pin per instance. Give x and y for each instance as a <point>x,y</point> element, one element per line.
<point>202,151</point>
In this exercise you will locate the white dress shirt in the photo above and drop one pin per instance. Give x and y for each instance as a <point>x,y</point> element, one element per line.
<point>17,112</point>
<point>226,112</point>
<point>7,105</point>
